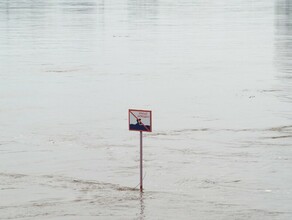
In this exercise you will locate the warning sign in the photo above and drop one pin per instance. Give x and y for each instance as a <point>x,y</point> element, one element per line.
<point>140,120</point>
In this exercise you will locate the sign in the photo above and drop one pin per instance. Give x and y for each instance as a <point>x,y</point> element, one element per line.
<point>140,120</point>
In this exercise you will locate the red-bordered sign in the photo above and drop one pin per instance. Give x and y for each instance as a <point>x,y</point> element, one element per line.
<point>140,120</point>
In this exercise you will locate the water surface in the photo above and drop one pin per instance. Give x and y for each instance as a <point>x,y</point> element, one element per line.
<point>217,76</point>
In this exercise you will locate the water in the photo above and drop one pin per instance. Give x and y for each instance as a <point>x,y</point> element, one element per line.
<point>216,74</point>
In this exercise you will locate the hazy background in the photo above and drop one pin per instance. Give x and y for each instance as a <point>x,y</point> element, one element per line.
<point>216,74</point>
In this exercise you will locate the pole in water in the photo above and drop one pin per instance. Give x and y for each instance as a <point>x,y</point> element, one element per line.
<point>141,161</point>
<point>140,120</point>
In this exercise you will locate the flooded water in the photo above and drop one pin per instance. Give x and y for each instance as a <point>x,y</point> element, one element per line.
<point>216,74</point>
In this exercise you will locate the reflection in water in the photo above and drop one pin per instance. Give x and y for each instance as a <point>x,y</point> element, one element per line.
<point>142,206</point>
<point>283,44</point>
<point>80,7</point>
<point>145,12</point>
<point>283,14</point>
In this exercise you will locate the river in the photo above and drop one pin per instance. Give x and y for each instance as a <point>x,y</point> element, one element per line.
<point>217,76</point>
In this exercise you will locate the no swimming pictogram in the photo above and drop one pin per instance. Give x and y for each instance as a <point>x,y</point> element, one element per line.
<point>140,120</point>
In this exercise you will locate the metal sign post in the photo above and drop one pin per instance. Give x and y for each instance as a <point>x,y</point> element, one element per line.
<point>141,161</point>
<point>140,120</point>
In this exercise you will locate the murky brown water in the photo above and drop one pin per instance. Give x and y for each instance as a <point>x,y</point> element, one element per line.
<point>216,74</point>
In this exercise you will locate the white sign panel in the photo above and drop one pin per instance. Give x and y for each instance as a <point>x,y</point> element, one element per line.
<point>140,120</point>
